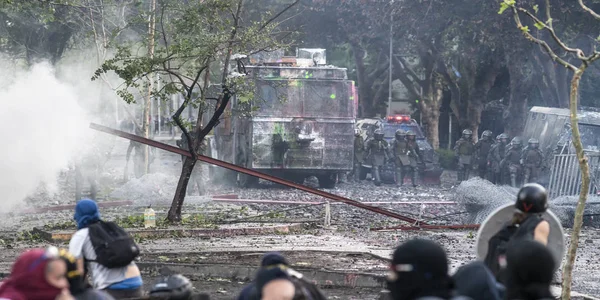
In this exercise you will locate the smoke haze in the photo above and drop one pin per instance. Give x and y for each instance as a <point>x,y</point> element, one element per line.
<point>42,127</point>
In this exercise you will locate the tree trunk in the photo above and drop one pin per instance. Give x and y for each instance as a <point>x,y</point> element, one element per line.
<point>520,86</point>
<point>514,118</point>
<point>432,118</point>
<point>562,86</point>
<point>187,168</point>
<point>363,92</point>
<point>585,185</point>
<point>147,104</point>
<point>474,112</point>
<point>430,110</point>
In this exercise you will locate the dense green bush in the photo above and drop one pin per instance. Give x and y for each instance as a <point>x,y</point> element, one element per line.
<point>447,160</point>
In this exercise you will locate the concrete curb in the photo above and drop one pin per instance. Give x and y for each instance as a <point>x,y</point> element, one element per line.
<point>65,236</point>
<point>321,278</point>
<point>283,252</point>
<point>72,206</point>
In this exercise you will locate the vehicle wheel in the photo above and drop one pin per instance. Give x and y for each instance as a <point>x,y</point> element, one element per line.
<point>247,181</point>
<point>362,175</point>
<point>327,181</point>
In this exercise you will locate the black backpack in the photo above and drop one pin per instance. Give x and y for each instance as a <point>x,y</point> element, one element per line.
<point>497,246</point>
<point>114,247</point>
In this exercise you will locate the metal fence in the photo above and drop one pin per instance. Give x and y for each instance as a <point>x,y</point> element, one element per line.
<point>565,175</point>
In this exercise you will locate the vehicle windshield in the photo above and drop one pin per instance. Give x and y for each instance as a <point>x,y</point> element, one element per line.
<point>310,98</point>
<point>389,130</point>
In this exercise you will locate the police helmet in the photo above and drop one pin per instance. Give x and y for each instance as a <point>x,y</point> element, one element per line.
<point>486,134</point>
<point>504,137</point>
<point>516,141</point>
<point>411,134</point>
<point>532,198</point>
<point>400,133</point>
<point>378,134</point>
<point>467,133</point>
<point>175,287</point>
<point>533,143</point>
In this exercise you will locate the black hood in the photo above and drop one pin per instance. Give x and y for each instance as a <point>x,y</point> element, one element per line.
<point>477,282</point>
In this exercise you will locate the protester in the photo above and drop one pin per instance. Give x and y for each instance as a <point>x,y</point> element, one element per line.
<point>476,281</point>
<point>37,274</point>
<point>527,223</point>
<point>270,259</point>
<point>420,269</point>
<point>78,286</point>
<point>530,268</point>
<point>173,287</point>
<point>107,252</point>
<point>274,284</point>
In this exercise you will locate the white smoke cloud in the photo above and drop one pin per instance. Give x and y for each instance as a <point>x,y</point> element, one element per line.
<point>42,126</point>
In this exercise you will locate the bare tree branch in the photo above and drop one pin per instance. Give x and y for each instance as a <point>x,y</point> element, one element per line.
<point>410,71</point>
<point>278,14</point>
<point>540,42</point>
<point>550,29</point>
<point>409,84</point>
<point>67,5</point>
<point>589,10</point>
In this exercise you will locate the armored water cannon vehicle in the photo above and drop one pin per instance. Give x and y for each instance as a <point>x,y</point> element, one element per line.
<point>299,122</point>
<point>429,169</point>
<point>552,127</point>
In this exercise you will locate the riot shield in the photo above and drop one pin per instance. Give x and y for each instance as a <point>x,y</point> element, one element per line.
<point>498,219</point>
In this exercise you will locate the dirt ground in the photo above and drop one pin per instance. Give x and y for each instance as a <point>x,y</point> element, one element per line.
<point>350,230</point>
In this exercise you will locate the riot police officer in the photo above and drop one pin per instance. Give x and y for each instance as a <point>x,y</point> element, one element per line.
<point>377,153</point>
<point>464,150</point>
<point>495,158</point>
<point>359,154</point>
<point>533,160</point>
<point>482,148</point>
<point>414,156</point>
<point>512,160</point>
<point>400,154</point>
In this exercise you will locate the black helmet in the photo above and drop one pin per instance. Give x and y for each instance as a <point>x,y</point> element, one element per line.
<point>532,198</point>
<point>516,141</point>
<point>467,133</point>
<point>175,287</point>
<point>378,134</point>
<point>486,134</point>
<point>400,134</point>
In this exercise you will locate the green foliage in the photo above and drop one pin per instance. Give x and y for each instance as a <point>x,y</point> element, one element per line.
<point>193,38</point>
<point>539,25</point>
<point>506,4</point>
<point>447,159</point>
<point>524,28</point>
<point>137,221</point>
<point>536,8</point>
<point>29,236</point>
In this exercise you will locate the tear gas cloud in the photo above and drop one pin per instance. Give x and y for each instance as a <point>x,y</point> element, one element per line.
<point>42,128</point>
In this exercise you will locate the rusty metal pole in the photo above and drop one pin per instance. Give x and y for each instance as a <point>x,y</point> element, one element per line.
<point>236,168</point>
